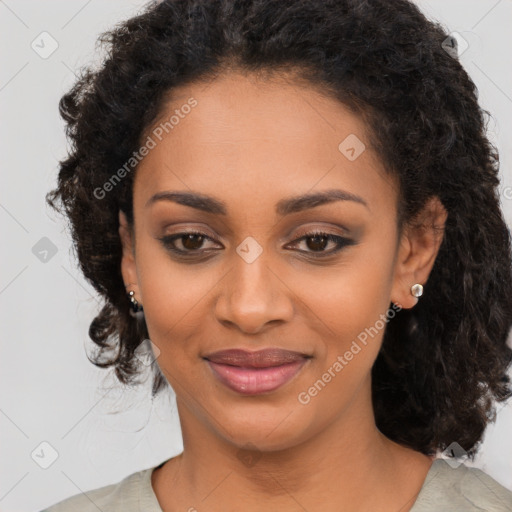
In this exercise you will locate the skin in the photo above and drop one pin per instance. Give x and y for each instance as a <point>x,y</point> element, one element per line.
<point>251,142</point>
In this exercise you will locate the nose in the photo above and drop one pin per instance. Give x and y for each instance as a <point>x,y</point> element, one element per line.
<point>253,297</point>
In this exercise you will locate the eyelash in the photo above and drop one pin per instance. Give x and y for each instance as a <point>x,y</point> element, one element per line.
<point>168,242</point>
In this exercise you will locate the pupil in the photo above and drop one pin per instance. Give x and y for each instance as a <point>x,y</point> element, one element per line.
<point>188,241</point>
<point>319,242</point>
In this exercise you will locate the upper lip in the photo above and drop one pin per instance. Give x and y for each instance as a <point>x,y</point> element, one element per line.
<point>260,359</point>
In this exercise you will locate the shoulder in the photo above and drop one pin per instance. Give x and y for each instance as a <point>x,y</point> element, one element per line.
<point>461,489</point>
<point>132,494</point>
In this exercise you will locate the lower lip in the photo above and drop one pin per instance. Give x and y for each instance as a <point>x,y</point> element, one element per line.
<point>252,381</point>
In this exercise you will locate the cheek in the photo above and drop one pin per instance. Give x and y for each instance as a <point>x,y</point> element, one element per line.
<point>351,301</point>
<point>353,314</point>
<point>174,298</point>
<point>352,295</point>
<point>361,296</point>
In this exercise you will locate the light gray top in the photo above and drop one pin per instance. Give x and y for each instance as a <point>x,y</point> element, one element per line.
<point>445,489</point>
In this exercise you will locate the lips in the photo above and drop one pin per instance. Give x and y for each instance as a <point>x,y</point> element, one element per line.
<point>252,373</point>
<point>260,359</point>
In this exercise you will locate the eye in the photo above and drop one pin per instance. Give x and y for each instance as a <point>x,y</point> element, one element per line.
<point>317,241</point>
<point>190,242</point>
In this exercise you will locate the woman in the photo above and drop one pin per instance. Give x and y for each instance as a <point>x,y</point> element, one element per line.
<point>296,202</point>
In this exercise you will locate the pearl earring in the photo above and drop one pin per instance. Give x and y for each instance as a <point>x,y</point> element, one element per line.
<point>417,290</point>
<point>136,309</point>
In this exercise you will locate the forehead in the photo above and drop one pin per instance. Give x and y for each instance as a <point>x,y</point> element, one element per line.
<point>245,134</point>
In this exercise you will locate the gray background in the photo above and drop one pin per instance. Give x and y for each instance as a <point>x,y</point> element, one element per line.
<point>50,391</point>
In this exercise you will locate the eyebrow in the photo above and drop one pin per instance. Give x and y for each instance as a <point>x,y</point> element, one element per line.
<point>283,207</point>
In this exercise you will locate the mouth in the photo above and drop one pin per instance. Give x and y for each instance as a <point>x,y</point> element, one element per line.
<point>252,373</point>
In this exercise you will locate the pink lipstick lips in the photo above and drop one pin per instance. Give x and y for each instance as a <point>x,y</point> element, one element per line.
<point>258,372</point>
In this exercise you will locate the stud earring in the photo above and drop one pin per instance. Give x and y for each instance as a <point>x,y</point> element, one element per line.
<point>136,309</point>
<point>417,290</point>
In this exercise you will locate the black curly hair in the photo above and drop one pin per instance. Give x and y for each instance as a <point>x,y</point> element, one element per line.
<point>443,363</point>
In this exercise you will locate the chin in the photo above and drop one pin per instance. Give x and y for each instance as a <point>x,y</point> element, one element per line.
<point>267,428</point>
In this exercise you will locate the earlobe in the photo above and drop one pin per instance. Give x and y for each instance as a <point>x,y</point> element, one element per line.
<point>128,266</point>
<point>403,274</point>
<point>417,252</point>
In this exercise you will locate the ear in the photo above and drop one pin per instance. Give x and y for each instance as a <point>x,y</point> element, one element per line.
<point>128,267</point>
<point>417,251</point>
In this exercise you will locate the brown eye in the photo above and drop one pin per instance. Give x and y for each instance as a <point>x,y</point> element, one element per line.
<point>318,242</point>
<point>192,241</point>
<point>189,243</point>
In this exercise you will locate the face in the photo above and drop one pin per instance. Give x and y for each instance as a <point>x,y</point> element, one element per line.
<point>253,266</point>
